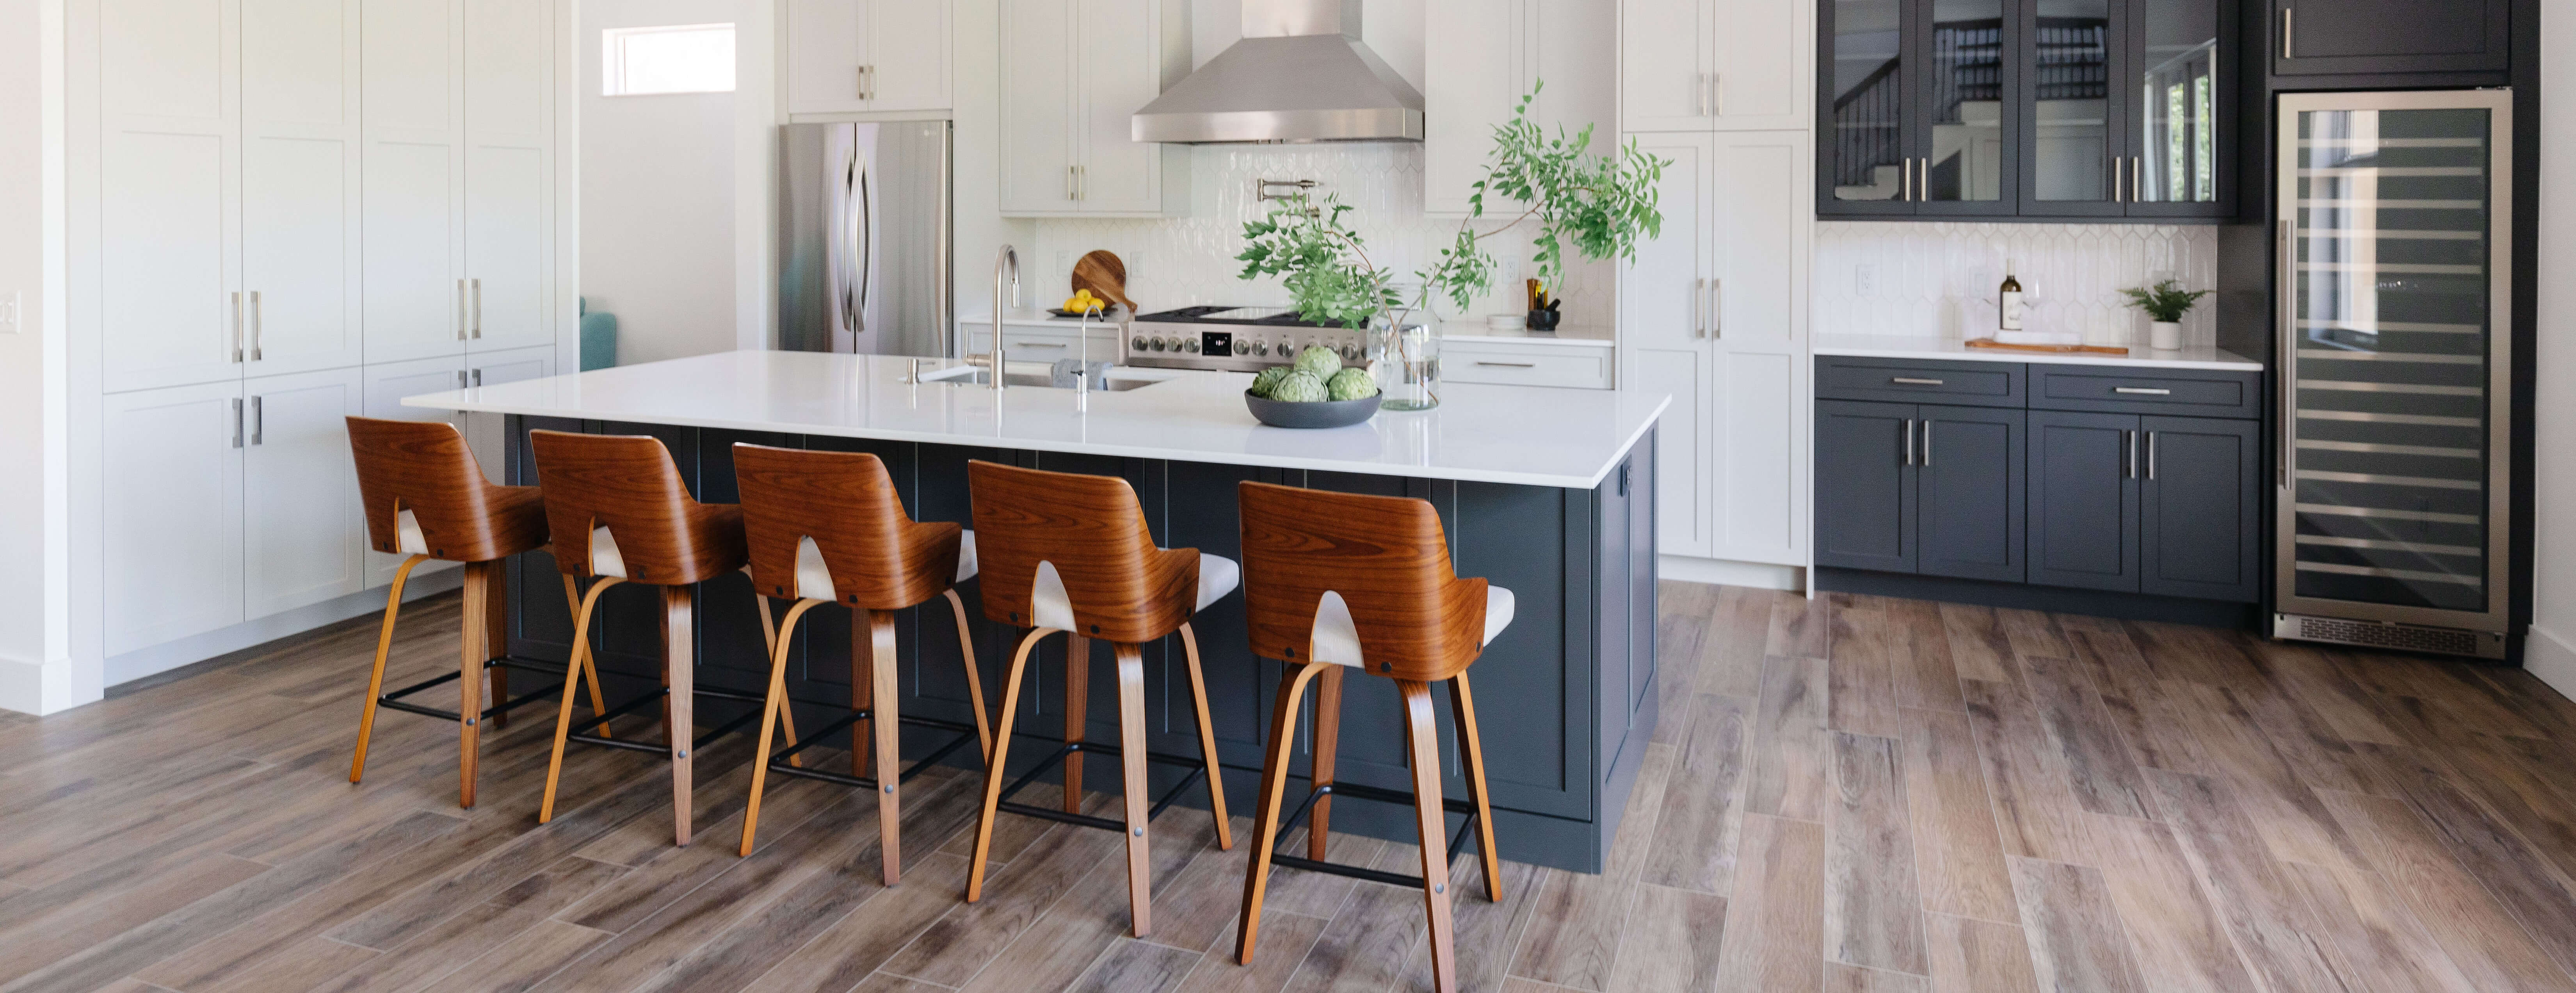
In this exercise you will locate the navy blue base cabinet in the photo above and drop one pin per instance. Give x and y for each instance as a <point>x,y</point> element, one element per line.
<point>2117,479</point>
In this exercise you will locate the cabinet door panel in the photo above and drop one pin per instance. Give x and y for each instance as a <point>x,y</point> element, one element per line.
<point>410,66</point>
<point>2083,500</point>
<point>483,432</point>
<point>1759,65</point>
<point>1970,484</point>
<point>1755,457</point>
<point>414,301</point>
<point>1037,106</point>
<point>1865,486</point>
<point>506,70</point>
<point>1663,324</point>
<point>2391,36</point>
<point>1118,70</point>
<point>168,58</point>
<point>302,521</point>
<point>299,253</point>
<point>1863,140</point>
<point>166,260</point>
<point>1964,152</point>
<point>172,488</point>
<point>1475,68</point>
<point>1664,53</point>
<point>296,62</point>
<point>2199,500</point>
<point>908,44</point>
<point>2075,143</point>
<point>826,45</point>
<point>505,248</point>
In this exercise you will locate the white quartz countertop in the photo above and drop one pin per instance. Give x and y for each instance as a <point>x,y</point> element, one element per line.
<point>1903,347</point>
<point>1531,436</point>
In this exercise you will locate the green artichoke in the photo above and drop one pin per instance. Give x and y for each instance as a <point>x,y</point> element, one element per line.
<point>1266,380</point>
<point>1322,362</point>
<point>1299,387</point>
<point>1351,384</point>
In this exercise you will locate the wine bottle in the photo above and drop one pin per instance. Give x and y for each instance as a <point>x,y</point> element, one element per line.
<point>2008,300</point>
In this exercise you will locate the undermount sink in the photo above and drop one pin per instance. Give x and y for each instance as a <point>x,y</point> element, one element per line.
<point>974,376</point>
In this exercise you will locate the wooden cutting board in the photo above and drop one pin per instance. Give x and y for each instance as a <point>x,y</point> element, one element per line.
<point>1105,276</point>
<point>2048,349</point>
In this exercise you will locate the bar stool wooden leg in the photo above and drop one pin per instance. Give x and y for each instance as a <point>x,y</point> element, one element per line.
<point>1274,787</point>
<point>1207,740</point>
<point>582,660</point>
<point>1471,752</point>
<point>1328,745</point>
<point>496,637</point>
<point>776,701</point>
<point>1077,714</point>
<point>679,672</point>
<point>563,714</point>
<point>863,690</point>
<point>376,676</point>
<point>974,675</point>
<point>994,768</point>
<point>1422,752</point>
<point>1131,762</point>
<point>887,727</point>
<point>469,682</point>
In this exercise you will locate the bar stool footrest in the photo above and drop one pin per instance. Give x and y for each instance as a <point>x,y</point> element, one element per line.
<point>1356,791</point>
<point>1197,772</point>
<point>393,699</point>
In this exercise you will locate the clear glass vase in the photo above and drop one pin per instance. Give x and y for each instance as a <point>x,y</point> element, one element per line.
<point>1407,359</point>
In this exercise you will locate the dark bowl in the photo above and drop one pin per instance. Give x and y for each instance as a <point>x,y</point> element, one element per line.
<point>1317,414</point>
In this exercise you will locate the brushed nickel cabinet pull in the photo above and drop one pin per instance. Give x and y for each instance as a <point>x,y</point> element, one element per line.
<point>1911,381</point>
<point>460,310</point>
<point>255,323</point>
<point>2116,187</point>
<point>460,379</point>
<point>478,377</point>
<point>478,308</point>
<point>258,423</point>
<point>2137,185</point>
<point>1927,441</point>
<point>2129,451</point>
<point>2142,391</point>
<point>2151,454</point>
<point>1509,365</point>
<point>1909,441</point>
<point>237,328</point>
<point>2285,33</point>
<point>1716,94</point>
<point>237,422</point>
<point>1716,307</point>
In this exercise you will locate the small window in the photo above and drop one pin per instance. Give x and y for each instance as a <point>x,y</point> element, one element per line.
<point>679,58</point>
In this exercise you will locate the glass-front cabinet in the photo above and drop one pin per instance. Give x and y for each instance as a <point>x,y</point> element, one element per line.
<point>2034,108</point>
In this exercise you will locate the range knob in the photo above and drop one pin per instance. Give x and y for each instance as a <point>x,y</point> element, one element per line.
<point>1350,353</point>
<point>1160,344</point>
<point>1260,348</point>
<point>1190,345</point>
<point>1242,347</point>
<point>1138,344</point>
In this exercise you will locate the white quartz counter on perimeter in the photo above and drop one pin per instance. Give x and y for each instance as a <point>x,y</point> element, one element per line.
<point>1903,347</point>
<point>1531,436</point>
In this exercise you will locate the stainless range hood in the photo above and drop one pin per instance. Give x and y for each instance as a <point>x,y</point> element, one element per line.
<point>1300,74</point>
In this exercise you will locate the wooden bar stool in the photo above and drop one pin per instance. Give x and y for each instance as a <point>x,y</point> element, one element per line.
<point>425,499</point>
<point>825,527</point>
<point>1336,580</point>
<point>625,516</point>
<point>1069,554</point>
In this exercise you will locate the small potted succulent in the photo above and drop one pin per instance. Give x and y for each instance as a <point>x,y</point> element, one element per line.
<point>2165,303</point>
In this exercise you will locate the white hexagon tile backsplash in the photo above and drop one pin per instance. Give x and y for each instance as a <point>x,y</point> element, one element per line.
<point>1937,280</point>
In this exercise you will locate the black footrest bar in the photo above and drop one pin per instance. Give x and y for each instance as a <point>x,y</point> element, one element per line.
<point>1198,771</point>
<point>1457,842</point>
<point>778,764</point>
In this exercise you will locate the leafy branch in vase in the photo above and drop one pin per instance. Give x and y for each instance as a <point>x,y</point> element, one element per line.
<point>1602,204</point>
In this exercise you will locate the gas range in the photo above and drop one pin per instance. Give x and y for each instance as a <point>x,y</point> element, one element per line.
<point>1238,339</point>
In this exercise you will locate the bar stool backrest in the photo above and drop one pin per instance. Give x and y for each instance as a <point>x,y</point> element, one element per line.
<point>879,557</point>
<point>628,484</point>
<point>1386,558</point>
<point>1091,531</point>
<point>423,470</point>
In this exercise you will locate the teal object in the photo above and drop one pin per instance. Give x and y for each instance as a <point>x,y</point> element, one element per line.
<point>598,338</point>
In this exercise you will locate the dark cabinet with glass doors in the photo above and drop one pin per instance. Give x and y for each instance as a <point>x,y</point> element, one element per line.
<point>2025,108</point>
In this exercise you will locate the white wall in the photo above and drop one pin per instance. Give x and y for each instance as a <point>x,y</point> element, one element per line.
<point>36,674</point>
<point>2551,651</point>
<point>658,194</point>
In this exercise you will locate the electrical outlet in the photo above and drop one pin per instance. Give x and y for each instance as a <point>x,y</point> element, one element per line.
<point>1865,279</point>
<point>10,322</point>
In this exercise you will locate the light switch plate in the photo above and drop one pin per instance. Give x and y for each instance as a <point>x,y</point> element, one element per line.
<point>10,322</point>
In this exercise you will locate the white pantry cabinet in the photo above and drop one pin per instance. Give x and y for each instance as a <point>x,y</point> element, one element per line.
<point>857,56</point>
<point>302,527</point>
<point>1714,312</point>
<point>1073,74</point>
<point>1702,65</point>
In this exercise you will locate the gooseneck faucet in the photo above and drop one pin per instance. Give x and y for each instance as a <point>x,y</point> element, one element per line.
<point>1006,272</point>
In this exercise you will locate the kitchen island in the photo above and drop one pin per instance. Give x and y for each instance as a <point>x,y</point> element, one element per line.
<point>1549,492</point>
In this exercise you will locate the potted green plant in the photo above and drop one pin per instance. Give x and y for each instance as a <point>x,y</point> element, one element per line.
<point>2165,303</point>
<point>1601,203</point>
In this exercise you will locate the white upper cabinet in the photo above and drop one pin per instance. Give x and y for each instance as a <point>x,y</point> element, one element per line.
<point>1698,65</point>
<point>413,199</point>
<point>1073,74</point>
<point>1478,58</point>
<point>169,191</point>
<point>300,185</point>
<point>852,56</point>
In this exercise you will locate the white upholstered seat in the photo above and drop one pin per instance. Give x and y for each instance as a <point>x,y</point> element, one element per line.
<point>1051,607</point>
<point>1337,638</point>
<point>407,537</point>
<point>604,560</point>
<point>814,581</point>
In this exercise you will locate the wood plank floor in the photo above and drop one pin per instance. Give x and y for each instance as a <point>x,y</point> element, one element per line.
<point>1848,794</point>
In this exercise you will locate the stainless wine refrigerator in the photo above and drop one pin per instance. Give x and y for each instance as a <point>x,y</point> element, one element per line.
<point>2395,219</point>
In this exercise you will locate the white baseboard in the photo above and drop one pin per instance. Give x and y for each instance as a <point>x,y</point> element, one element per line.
<point>33,686</point>
<point>164,657</point>
<point>1728,572</point>
<point>2551,658</point>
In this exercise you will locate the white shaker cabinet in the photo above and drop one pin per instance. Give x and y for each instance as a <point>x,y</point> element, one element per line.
<point>1715,313</point>
<point>1479,57</point>
<point>173,513</point>
<point>1700,65</point>
<point>508,223</point>
<point>169,191</point>
<point>300,185</point>
<point>857,56</point>
<point>302,526</point>
<point>1073,74</point>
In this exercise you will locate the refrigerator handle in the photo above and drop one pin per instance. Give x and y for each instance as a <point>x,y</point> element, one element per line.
<point>865,235</point>
<point>849,247</point>
<point>2287,379</point>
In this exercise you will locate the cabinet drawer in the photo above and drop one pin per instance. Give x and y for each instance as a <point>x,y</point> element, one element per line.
<point>1976,384</point>
<point>1541,365</point>
<point>2110,389</point>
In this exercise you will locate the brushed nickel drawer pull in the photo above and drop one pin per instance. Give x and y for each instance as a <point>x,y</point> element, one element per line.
<point>2142,391</point>
<point>1510,365</point>
<point>1911,381</point>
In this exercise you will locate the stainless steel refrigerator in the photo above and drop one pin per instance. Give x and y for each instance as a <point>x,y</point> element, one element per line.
<point>2395,219</point>
<point>864,232</point>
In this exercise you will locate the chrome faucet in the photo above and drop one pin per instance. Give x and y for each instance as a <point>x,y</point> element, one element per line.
<point>1006,271</point>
